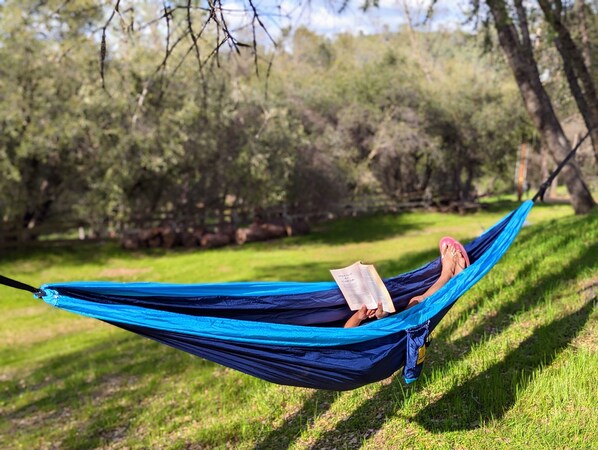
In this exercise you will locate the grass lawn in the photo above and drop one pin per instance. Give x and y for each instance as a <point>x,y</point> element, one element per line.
<point>514,364</point>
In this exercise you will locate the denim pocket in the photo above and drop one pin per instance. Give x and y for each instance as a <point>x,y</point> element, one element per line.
<point>418,339</point>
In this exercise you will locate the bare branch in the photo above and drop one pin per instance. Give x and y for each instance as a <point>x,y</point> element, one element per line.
<point>148,83</point>
<point>216,18</point>
<point>221,22</point>
<point>256,17</point>
<point>268,70</point>
<point>193,37</point>
<point>167,15</point>
<point>103,42</point>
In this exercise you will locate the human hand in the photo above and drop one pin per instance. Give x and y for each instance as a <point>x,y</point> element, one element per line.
<point>380,313</point>
<point>414,301</point>
<point>363,313</point>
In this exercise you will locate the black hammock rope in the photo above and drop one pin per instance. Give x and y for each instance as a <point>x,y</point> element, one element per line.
<point>555,172</point>
<point>22,286</point>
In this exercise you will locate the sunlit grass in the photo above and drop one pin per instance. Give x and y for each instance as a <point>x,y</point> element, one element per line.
<point>513,365</point>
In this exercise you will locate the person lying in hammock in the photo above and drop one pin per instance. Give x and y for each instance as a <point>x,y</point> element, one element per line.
<point>454,259</point>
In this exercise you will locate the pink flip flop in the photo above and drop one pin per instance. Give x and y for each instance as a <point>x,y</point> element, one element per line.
<point>449,240</point>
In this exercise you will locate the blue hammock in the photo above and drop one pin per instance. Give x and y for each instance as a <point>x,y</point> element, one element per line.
<point>290,332</point>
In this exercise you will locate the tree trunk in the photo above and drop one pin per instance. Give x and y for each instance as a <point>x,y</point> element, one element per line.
<point>577,72</point>
<point>586,51</point>
<point>537,103</point>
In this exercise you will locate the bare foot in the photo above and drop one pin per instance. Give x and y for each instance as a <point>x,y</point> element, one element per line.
<point>460,262</point>
<point>448,261</point>
<point>453,262</point>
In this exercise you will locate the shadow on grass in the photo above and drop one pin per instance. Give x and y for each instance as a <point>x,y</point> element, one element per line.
<point>320,271</point>
<point>86,398</point>
<point>500,206</point>
<point>552,238</point>
<point>534,353</point>
<point>313,407</point>
<point>365,229</point>
<point>531,244</point>
<point>407,262</point>
<point>74,254</point>
<point>369,417</point>
<point>315,271</point>
<point>32,260</point>
<point>337,232</point>
<point>493,392</point>
<point>61,385</point>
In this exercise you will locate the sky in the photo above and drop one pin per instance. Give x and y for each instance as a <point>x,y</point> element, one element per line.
<point>322,16</point>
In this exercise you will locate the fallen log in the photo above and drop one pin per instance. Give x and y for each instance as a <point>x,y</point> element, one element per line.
<point>213,240</point>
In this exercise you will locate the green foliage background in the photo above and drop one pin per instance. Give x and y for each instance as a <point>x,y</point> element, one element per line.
<point>334,119</point>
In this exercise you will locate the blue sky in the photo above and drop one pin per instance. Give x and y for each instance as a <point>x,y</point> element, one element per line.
<point>322,16</point>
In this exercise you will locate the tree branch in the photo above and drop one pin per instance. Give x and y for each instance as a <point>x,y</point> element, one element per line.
<point>103,42</point>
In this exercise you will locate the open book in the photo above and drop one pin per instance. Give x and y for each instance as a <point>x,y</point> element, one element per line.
<point>361,285</point>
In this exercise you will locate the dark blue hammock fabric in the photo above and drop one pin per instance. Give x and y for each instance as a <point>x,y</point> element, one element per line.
<point>290,332</point>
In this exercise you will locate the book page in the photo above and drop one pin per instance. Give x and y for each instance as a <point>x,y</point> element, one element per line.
<point>352,285</point>
<point>377,288</point>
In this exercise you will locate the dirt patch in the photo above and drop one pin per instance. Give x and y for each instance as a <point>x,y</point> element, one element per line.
<point>589,289</point>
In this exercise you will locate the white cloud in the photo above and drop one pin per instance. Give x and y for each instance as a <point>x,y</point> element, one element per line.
<point>323,16</point>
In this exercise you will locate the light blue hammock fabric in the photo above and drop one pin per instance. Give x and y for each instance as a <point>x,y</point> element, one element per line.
<point>290,332</point>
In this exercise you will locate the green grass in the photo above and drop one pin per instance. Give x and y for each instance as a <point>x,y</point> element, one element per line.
<point>513,365</point>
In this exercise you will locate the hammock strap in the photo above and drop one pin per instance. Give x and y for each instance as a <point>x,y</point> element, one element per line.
<point>22,286</point>
<point>549,180</point>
